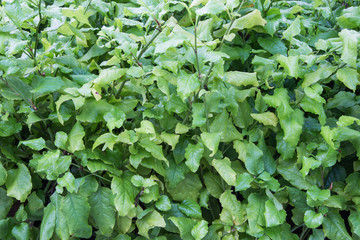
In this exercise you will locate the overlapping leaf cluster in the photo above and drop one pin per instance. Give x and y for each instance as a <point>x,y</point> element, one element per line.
<point>204,119</point>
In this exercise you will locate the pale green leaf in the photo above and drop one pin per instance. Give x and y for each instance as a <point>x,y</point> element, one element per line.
<point>151,220</point>
<point>231,208</point>
<point>211,141</point>
<point>350,41</point>
<point>266,118</point>
<point>223,166</point>
<point>190,208</point>
<point>18,183</point>
<point>250,20</point>
<point>48,222</point>
<point>332,221</point>
<point>292,127</point>
<point>125,193</point>
<point>193,155</point>
<point>212,7</point>
<point>293,29</point>
<point>253,159</point>
<point>200,230</point>
<point>273,216</point>
<point>35,144</point>
<point>349,77</point>
<point>241,78</point>
<point>75,142</point>
<point>281,101</point>
<point>3,174</point>
<point>313,219</point>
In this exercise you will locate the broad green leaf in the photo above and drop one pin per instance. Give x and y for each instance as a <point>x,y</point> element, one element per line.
<point>233,212</point>
<point>9,127</point>
<point>200,230</point>
<point>266,118</point>
<point>292,174</point>
<point>213,184</point>
<point>48,222</point>
<point>185,225</point>
<point>108,139</point>
<point>313,219</point>
<point>187,84</point>
<point>3,174</point>
<point>75,142</point>
<point>105,77</point>
<point>255,213</point>
<point>193,155</point>
<point>175,105</point>
<point>146,127</point>
<point>5,204</point>
<point>312,106</point>
<point>350,41</point>
<point>21,231</point>
<point>66,181</point>
<point>114,119</point>
<point>273,45</point>
<point>163,203</point>
<point>253,159</point>
<point>332,221</point>
<point>307,164</point>
<point>61,139</point>
<point>281,232</point>
<point>293,29</point>
<point>44,85</point>
<point>211,141</point>
<point>151,220</point>
<point>102,210</point>
<point>18,13</point>
<point>51,164</point>
<point>223,166</point>
<point>243,181</point>
<point>350,77</point>
<point>323,71</point>
<point>76,210</point>
<point>241,78</point>
<point>250,20</point>
<point>189,188</point>
<point>181,128</point>
<point>273,216</point>
<point>290,64</point>
<point>198,115</point>
<point>94,111</point>
<point>171,139</point>
<point>175,173</point>
<point>18,183</point>
<point>354,220</point>
<point>349,18</point>
<point>292,126</point>
<point>124,194</point>
<point>155,150</point>
<point>316,196</point>
<point>35,144</point>
<point>281,101</point>
<point>213,7</point>
<point>190,208</point>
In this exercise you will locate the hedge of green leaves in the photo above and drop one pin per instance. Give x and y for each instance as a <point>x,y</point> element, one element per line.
<point>157,119</point>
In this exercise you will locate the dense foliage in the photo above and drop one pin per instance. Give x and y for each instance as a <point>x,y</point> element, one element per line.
<point>204,119</point>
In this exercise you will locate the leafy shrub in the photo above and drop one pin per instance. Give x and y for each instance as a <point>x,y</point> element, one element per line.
<point>179,119</point>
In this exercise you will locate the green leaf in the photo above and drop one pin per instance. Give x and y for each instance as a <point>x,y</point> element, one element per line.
<point>223,166</point>
<point>66,181</point>
<point>9,127</point>
<point>44,85</point>
<point>75,142</point>
<point>187,84</point>
<point>171,139</point>
<point>241,78</point>
<point>273,45</point>
<point>313,219</point>
<point>193,155</point>
<point>323,71</point>
<point>5,204</point>
<point>155,150</point>
<point>114,119</point>
<point>250,20</point>
<point>163,203</point>
<point>292,126</point>
<point>332,221</point>
<point>290,64</point>
<point>281,101</point>
<point>48,222</point>
<point>3,174</point>
<point>255,213</point>
<point>307,164</point>
<point>151,220</point>
<point>108,139</point>
<point>198,115</point>
<point>354,220</point>
<point>18,183</point>
<point>200,230</point>
<point>348,76</point>
<point>35,144</point>
<point>266,118</point>
<point>124,194</point>
<point>189,188</point>
<point>175,105</point>
<point>233,212</point>
<point>292,174</point>
<point>211,141</point>
<point>316,196</point>
<point>293,29</point>
<point>350,41</point>
<point>349,18</point>
<point>102,210</point>
<point>253,159</point>
<point>76,210</point>
<point>273,216</point>
<point>190,208</point>
<point>185,225</point>
<point>243,182</point>
<point>213,7</point>
<point>21,231</point>
<point>51,164</point>
<point>213,184</point>
<point>61,139</point>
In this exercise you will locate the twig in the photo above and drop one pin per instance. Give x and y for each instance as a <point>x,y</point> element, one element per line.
<point>142,51</point>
